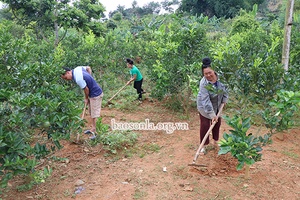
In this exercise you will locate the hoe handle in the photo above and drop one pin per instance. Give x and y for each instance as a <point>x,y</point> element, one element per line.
<point>207,133</point>
<point>82,117</point>
<point>83,112</point>
<point>117,93</point>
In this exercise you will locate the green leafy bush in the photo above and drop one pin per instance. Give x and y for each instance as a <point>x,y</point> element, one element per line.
<point>34,102</point>
<point>246,148</point>
<point>176,49</point>
<point>35,178</point>
<point>279,115</point>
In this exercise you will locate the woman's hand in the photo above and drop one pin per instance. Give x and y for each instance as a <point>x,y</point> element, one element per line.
<point>215,119</point>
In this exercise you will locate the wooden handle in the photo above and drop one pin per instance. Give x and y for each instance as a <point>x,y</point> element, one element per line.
<point>117,93</point>
<point>83,112</point>
<point>207,133</point>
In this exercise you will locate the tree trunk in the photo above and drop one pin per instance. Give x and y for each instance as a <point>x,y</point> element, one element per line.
<point>247,172</point>
<point>56,28</point>
<point>56,34</point>
<point>287,34</point>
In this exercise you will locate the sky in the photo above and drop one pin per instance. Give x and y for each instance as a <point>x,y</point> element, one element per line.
<point>113,4</point>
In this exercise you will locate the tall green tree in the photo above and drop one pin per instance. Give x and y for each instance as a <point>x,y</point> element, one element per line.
<point>218,8</point>
<point>53,15</point>
<point>168,5</point>
<point>148,9</point>
<point>195,7</point>
<point>151,8</point>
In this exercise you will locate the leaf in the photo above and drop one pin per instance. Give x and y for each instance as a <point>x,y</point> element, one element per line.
<point>249,161</point>
<point>246,123</point>
<point>226,136</point>
<point>258,149</point>
<point>2,144</point>
<point>224,150</point>
<point>240,166</point>
<point>240,157</point>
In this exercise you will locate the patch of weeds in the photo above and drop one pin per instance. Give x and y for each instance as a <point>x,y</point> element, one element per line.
<point>39,197</point>
<point>189,146</point>
<point>272,150</point>
<point>184,117</point>
<point>152,147</point>
<point>79,167</point>
<point>161,197</point>
<point>35,178</point>
<point>142,154</point>
<point>112,159</point>
<point>200,189</point>
<point>128,106</point>
<point>181,167</point>
<point>238,181</point>
<point>115,141</point>
<point>181,172</point>
<point>222,194</point>
<point>63,177</point>
<point>67,193</point>
<point>128,153</point>
<point>54,158</point>
<point>147,183</point>
<point>110,115</point>
<point>290,154</point>
<point>148,148</point>
<point>100,127</point>
<point>173,103</point>
<point>3,192</point>
<point>139,194</point>
<point>123,119</point>
<point>127,103</point>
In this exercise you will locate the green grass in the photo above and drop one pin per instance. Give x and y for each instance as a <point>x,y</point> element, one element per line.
<point>116,140</point>
<point>189,146</point>
<point>152,147</point>
<point>290,154</point>
<point>139,194</point>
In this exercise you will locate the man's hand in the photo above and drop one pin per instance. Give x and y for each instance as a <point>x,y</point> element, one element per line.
<point>86,94</point>
<point>89,70</point>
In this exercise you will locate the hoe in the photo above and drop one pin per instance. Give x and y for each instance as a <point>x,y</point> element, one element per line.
<point>82,117</point>
<point>204,139</point>
<point>109,101</point>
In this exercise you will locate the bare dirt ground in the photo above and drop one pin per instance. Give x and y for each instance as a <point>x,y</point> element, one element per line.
<point>141,176</point>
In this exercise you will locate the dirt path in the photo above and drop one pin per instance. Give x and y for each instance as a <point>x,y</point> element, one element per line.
<point>141,176</point>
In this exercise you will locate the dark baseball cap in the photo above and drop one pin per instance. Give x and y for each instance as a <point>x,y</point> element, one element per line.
<point>65,69</point>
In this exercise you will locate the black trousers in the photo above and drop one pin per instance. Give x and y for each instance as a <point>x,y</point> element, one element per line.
<point>138,86</point>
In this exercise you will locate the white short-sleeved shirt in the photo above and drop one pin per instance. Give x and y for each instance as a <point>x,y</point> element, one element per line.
<point>78,76</point>
<point>84,79</point>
